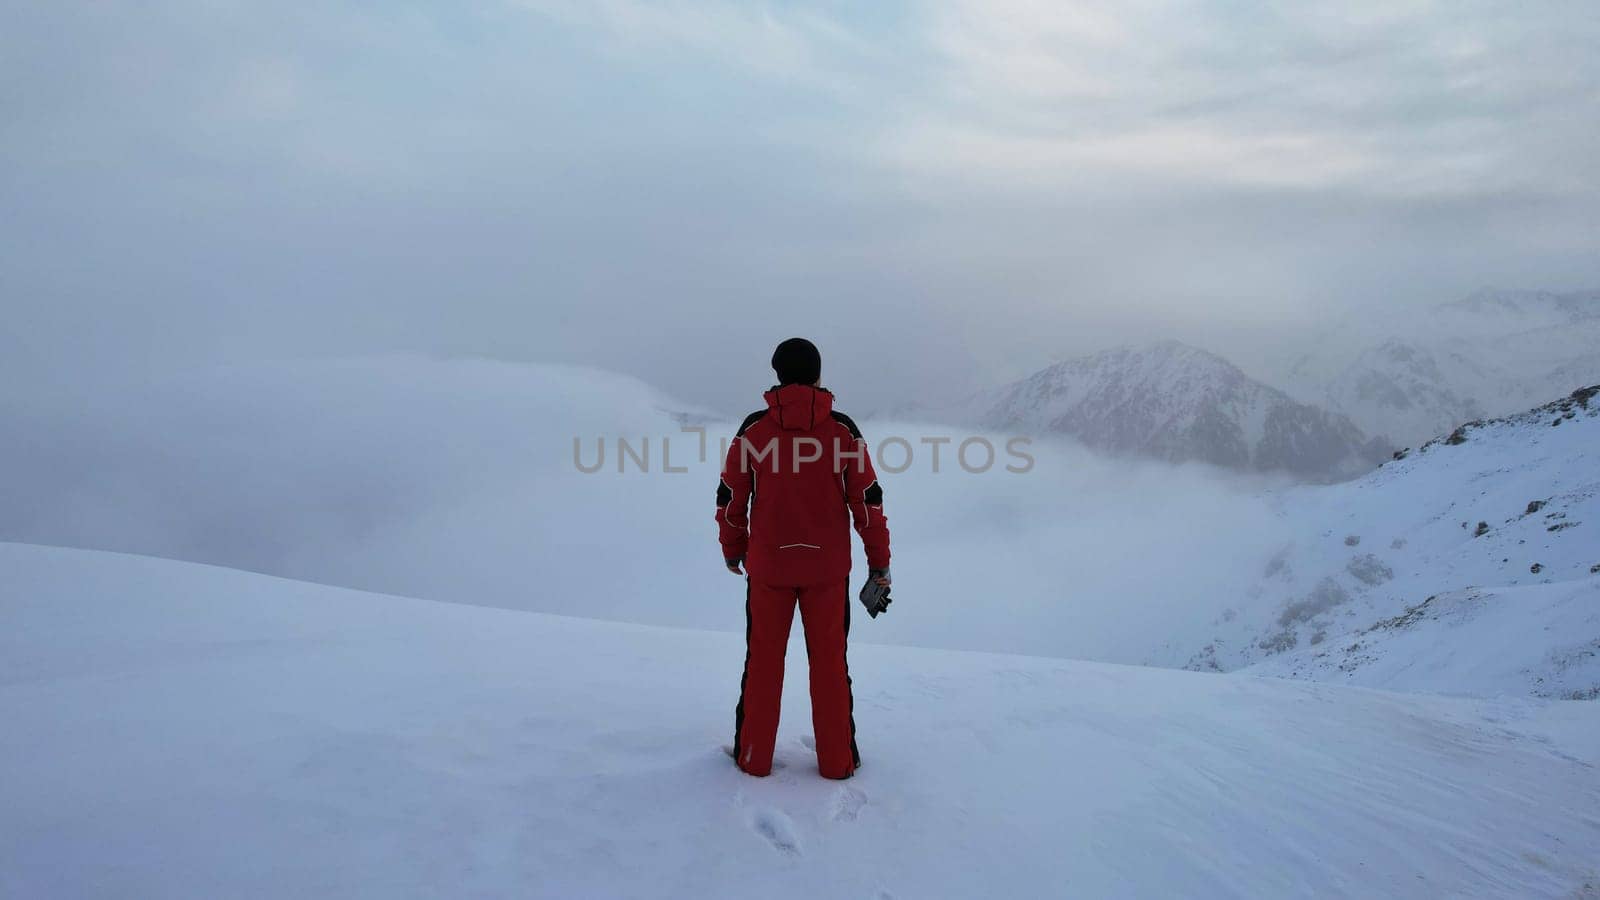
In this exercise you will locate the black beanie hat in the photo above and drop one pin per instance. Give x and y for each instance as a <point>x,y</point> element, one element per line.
<point>797,362</point>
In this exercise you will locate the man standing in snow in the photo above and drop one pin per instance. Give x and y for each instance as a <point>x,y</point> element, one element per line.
<point>796,474</point>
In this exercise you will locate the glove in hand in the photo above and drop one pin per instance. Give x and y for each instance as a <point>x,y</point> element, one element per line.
<point>875,596</point>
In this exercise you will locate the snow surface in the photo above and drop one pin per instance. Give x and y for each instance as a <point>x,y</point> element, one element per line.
<point>1470,567</point>
<point>181,730</point>
<point>1537,640</point>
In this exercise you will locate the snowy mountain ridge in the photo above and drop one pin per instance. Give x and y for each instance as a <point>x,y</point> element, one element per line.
<point>1386,378</point>
<point>1409,376</point>
<point>1177,403</point>
<point>1471,565</point>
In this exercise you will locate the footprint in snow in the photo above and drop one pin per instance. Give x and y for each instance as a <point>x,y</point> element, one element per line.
<point>808,742</point>
<point>777,828</point>
<point>844,805</point>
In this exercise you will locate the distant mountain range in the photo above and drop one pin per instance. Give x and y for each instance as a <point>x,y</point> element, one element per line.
<point>1415,376</point>
<point>1367,388</point>
<point>1178,403</point>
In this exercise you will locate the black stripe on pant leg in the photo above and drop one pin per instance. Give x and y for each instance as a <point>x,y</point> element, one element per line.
<point>855,752</point>
<point>738,711</point>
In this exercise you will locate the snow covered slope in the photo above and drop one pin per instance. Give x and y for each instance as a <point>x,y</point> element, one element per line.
<point>1471,565</point>
<point>1408,377</point>
<point>180,730</point>
<point>1177,403</point>
<point>1540,640</point>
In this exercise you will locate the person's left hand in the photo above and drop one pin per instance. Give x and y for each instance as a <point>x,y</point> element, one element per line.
<point>734,565</point>
<point>875,592</point>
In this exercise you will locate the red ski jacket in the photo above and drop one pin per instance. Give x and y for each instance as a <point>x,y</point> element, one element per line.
<point>796,474</point>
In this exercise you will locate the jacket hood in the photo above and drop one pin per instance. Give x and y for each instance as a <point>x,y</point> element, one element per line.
<point>799,407</point>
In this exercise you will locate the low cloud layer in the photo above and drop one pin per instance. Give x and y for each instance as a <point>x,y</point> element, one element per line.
<point>457,482</point>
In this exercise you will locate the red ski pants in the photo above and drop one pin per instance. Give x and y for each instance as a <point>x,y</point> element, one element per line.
<point>825,615</point>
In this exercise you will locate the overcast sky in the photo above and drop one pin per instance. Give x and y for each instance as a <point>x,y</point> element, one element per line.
<point>940,194</point>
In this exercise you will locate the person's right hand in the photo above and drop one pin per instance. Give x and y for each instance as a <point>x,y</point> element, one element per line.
<point>734,565</point>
